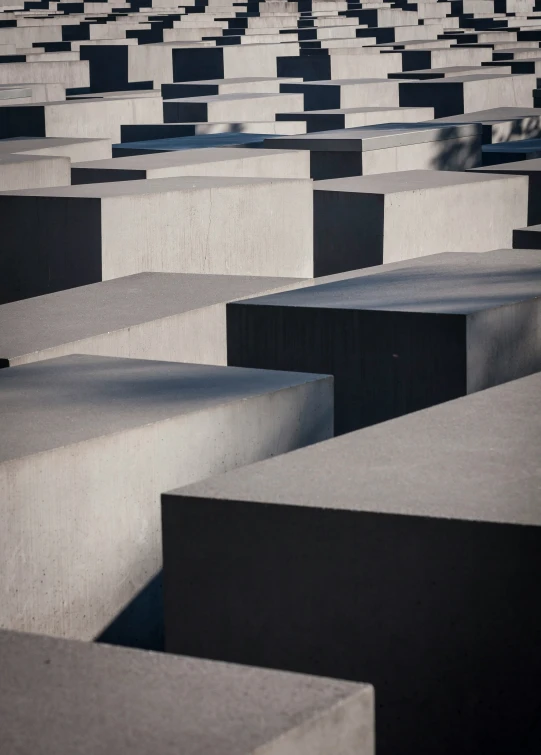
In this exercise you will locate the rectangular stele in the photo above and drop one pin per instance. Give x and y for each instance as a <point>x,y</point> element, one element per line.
<point>56,694</point>
<point>404,337</point>
<point>89,443</point>
<point>225,226</point>
<point>407,554</point>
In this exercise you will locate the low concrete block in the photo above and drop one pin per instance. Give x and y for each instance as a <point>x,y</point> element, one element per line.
<point>75,149</point>
<point>502,124</point>
<point>323,120</point>
<point>368,150</point>
<point>372,220</point>
<point>407,554</point>
<point>530,237</point>
<point>401,339</point>
<point>230,226</point>
<point>167,316</point>
<point>525,149</point>
<point>88,443</point>
<point>59,693</point>
<point>217,161</point>
<point>348,93</point>
<point>230,107</point>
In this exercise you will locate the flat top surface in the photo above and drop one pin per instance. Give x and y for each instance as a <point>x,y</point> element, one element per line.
<point>440,283</point>
<point>57,402</point>
<point>475,458</point>
<point>298,87</point>
<point>377,136</point>
<point>179,157</point>
<point>210,98</point>
<point>221,82</point>
<point>194,142</point>
<point>16,159</point>
<point>492,115</point>
<point>534,228</point>
<point>519,168</point>
<point>66,316</point>
<point>521,145</point>
<point>145,186</point>
<point>463,79</point>
<point>62,696</point>
<point>22,144</point>
<point>406,180</point>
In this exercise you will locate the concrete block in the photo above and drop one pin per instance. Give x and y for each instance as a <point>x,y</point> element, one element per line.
<point>503,124</point>
<point>530,168</point>
<point>387,147</point>
<point>32,171</point>
<point>165,316</point>
<point>58,693</point>
<point>201,140</point>
<point>254,84</point>
<point>464,94</point>
<point>407,554</point>
<point>324,95</point>
<point>400,340</point>
<point>449,72</point>
<point>230,107</point>
<point>76,149</point>
<point>88,444</point>
<point>524,149</point>
<point>339,64</point>
<point>218,161</point>
<point>71,74</point>
<point>230,226</point>
<point>372,220</point>
<point>82,118</point>
<point>413,60</point>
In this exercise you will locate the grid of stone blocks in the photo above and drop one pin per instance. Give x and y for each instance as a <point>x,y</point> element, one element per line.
<point>270,397</point>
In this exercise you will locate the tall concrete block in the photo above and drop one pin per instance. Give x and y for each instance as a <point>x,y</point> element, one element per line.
<point>89,443</point>
<point>231,226</point>
<point>164,316</point>
<point>58,694</point>
<point>407,555</point>
<point>401,339</point>
<point>371,220</point>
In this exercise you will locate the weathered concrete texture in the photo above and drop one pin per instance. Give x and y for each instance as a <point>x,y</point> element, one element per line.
<point>406,555</point>
<point>387,147</point>
<point>66,696</point>
<point>465,94</point>
<point>217,161</point>
<point>502,124</point>
<point>322,120</point>
<point>88,443</point>
<point>30,171</point>
<point>169,316</point>
<point>370,220</point>
<point>231,226</point>
<point>404,339</point>
<point>530,168</point>
<point>75,149</point>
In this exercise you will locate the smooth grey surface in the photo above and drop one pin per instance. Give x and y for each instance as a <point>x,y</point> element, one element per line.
<point>62,696</point>
<point>72,399</point>
<point>441,284</point>
<point>43,322</point>
<point>408,554</point>
<point>475,458</point>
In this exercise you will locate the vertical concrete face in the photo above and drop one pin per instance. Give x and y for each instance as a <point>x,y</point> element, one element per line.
<point>402,340</point>
<point>81,478</point>
<point>59,693</point>
<point>379,555</point>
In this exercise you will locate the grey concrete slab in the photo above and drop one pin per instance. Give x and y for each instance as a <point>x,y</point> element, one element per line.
<point>168,316</point>
<point>218,161</point>
<point>88,443</point>
<point>530,168</point>
<point>345,93</point>
<point>449,72</point>
<point>523,149</point>
<point>29,171</point>
<point>136,702</point>
<point>372,220</point>
<point>230,107</point>
<point>401,340</point>
<point>504,124</point>
<point>464,94</point>
<point>75,149</point>
<point>386,147</point>
<point>201,141</point>
<point>406,554</point>
<point>257,84</point>
<point>324,120</point>
<point>198,224</point>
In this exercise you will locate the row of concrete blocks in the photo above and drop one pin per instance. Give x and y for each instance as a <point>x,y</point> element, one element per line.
<point>435,548</point>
